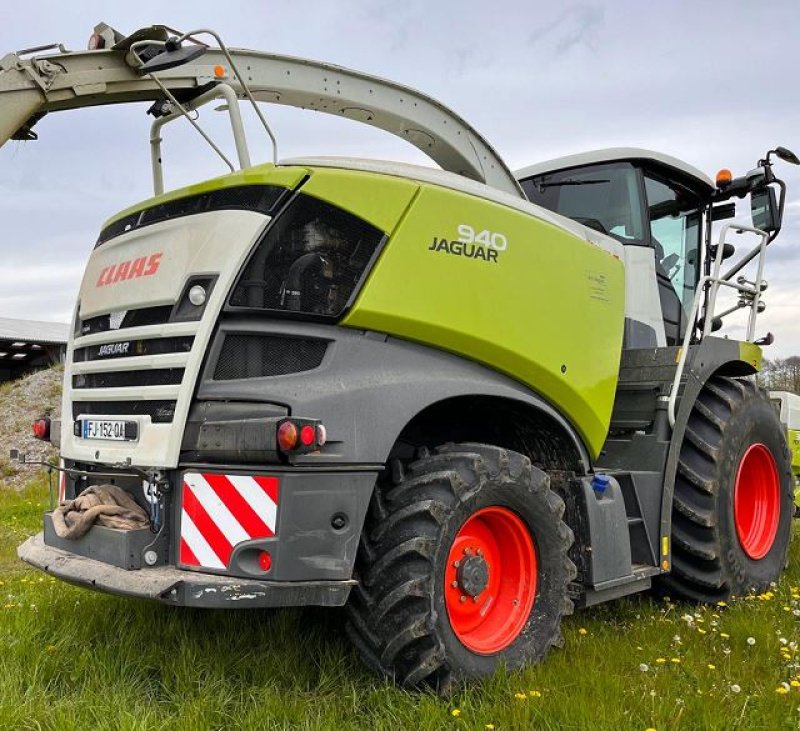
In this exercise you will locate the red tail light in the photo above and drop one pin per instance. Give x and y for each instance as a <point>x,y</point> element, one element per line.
<point>300,436</point>
<point>307,435</point>
<point>41,428</point>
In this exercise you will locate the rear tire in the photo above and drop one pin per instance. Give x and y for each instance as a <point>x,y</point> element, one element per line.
<point>732,507</point>
<point>465,504</point>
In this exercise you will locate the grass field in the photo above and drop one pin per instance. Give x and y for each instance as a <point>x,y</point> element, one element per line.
<point>70,658</point>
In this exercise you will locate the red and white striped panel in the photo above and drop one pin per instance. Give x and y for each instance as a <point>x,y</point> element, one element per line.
<point>220,511</point>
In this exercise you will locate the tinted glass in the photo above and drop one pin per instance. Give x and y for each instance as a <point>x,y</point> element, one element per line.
<point>603,197</point>
<point>675,232</point>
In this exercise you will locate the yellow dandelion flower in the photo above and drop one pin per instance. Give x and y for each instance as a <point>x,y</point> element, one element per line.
<point>722,604</point>
<point>701,631</point>
<point>661,660</point>
<point>794,683</point>
<point>582,631</point>
<point>780,690</point>
<point>535,693</point>
<point>676,660</point>
<point>51,648</point>
<point>711,666</point>
<point>520,696</point>
<point>455,712</point>
<point>724,635</point>
<point>489,727</point>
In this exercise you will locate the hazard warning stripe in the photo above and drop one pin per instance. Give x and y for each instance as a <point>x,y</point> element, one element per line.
<point>255,494</point>
<point>198,545</point>
<point>247,517</point>
<point>212,505</point>
<point>221,511</point>
<point>187,555</point>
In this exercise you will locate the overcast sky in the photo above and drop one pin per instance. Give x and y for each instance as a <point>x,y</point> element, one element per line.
<point>712,83</point>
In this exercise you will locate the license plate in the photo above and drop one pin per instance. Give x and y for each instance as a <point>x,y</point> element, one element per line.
<point>112,429</point>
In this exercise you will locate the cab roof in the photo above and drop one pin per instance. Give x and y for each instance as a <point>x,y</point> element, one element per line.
<point>616,154</point>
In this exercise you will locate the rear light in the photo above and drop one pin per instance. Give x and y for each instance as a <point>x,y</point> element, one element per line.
<point>287,436</point>
<point>96,42</point>
<point>264,561</point>
<point>300,436</point>
<point>41,428</point>
<point>307,435</point>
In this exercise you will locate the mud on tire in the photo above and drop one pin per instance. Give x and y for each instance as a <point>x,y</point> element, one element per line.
<point>714,555</point>
<point>398,615</point>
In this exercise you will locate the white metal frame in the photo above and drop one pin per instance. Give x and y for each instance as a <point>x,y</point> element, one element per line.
<point>750,297</point>
<point>222,91</point>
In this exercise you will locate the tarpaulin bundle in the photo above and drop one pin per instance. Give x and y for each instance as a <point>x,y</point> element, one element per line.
<point>107,505</point>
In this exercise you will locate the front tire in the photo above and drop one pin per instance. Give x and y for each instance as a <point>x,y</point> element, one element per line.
<point>732,507</point>
<point>462,566</point>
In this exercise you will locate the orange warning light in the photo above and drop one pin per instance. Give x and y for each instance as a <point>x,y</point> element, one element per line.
<point>219,71</point>
<point>724,177</point>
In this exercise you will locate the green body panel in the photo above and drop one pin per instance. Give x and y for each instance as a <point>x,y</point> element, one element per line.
<point>283,177</point>
<point>378,199</point>
<point>750,353</point>
<point>793,438</point>
<point>548,310</point>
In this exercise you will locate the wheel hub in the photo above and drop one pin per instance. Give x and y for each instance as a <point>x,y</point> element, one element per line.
<point>756,501</point>
<point>472,575</point>
<point>490,580</point>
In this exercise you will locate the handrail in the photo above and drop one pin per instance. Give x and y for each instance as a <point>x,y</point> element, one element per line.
<point>240,140</point>
<point>751,298</point>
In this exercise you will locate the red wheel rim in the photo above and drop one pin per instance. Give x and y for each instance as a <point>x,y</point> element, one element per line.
<point>488,613</point>
<point>756,501</point>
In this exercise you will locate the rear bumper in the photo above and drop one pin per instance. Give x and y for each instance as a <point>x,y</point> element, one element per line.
<point>169,585</point>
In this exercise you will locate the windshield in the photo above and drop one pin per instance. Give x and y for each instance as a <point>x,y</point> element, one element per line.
<point>603,197</point>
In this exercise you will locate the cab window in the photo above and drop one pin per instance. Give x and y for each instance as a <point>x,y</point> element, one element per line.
<point>675,229</point>
<point>603,197</point>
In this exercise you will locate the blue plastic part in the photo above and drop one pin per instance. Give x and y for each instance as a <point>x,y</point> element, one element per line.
<point>600,483</point>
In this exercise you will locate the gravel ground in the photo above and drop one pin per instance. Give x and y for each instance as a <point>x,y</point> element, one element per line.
<point>21,403</point>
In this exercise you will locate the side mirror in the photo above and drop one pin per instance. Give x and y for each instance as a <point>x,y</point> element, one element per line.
<point>764,210</point>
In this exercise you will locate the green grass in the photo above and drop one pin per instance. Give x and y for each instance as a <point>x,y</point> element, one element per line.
<point>70,658</point>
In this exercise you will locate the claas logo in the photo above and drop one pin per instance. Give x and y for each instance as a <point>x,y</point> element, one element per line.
<point>144,266</point>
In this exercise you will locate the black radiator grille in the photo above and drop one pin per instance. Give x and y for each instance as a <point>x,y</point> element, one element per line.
<point>160,412</point>
<point>130,348</point>
<point>257,356</point>
<point>121,379</point>
<point>130,318</point>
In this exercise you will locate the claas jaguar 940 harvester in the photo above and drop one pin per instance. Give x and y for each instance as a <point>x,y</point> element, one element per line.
<point>458,402</point>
